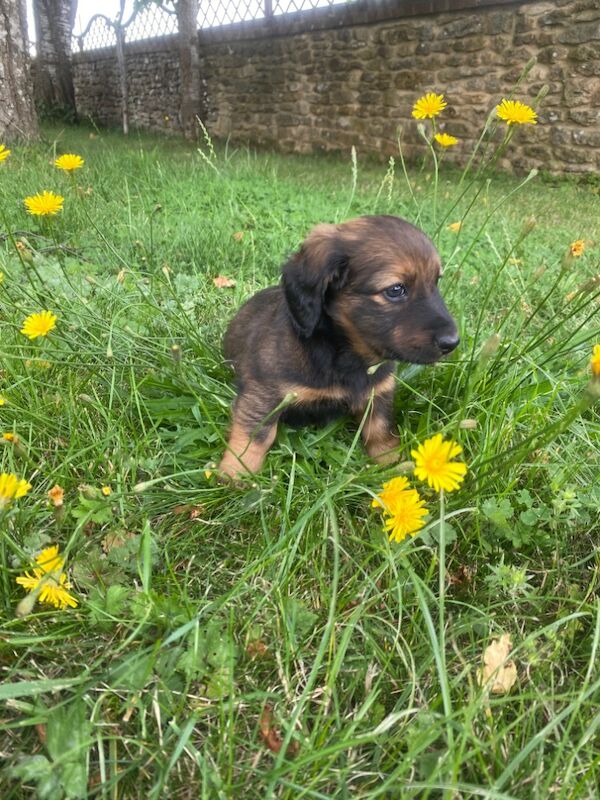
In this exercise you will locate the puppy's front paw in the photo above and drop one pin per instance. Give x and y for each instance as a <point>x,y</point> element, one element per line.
<point>386,452</point>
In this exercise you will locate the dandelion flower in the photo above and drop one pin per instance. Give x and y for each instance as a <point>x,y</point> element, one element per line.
<point>2,400</point>
<point>69,162</point>
<point>390,492</point>
<point>11,488</point>
<point>513,112</point>
<point>10,437</point>
<point>595,362</point>
<point>39,324</point>
<point>49,579</point>
<point>45,204</point>
<point>445,140</point>
<point>405,517</point>
<point>429,106</point>
<point>577,248</point>
<point>454,227</point>
<point>433,463</point>
<point>1,276</point>
<point>56,495</point>
<point>4,153</point>
<point>106,491</point>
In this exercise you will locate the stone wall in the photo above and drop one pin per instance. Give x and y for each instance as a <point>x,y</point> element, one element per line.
<point>330,79</point>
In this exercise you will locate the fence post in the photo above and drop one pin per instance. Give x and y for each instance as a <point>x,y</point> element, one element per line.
<point>268,8</point>
<point>120,32</point>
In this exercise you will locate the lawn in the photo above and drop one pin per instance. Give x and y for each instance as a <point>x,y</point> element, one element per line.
<point>267,640</point>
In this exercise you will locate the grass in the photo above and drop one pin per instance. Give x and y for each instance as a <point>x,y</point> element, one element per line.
<point>268,641</point>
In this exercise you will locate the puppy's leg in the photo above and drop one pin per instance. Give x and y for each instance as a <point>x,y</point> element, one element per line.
<point>378,432</point>
<point>250,437</point>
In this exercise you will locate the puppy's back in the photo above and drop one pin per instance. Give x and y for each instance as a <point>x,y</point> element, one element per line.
<point>253,321</point>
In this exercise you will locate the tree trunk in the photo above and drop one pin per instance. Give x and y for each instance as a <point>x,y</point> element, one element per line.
<point>17,112</point>
<point>53,76</point>
<point>189,66</point>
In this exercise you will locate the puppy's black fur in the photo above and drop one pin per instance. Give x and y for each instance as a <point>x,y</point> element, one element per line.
<point>353,296</point>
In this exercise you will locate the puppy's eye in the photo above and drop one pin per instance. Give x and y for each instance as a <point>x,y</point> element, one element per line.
<point>395,292</point>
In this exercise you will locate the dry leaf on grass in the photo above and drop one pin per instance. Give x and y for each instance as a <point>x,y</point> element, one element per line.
<point>116,539</point>
<point>222,282</point>
<point>498,674</point>
<point>238,236</point>
<point>256,648</point>
<point>271,736</point>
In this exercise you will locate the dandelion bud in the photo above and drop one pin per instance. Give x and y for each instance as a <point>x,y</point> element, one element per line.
<point>592,391</point>
<point>542,93</point>
<point>85,398</point>
<point>56,496</point>
<point>176,353</point>
<point>590,286</point>
<point>26,605</point>
<point>141,487</point>
<point>529,66</point>
<point>25,254</point>
<point>468,424</point>
<point>528,225</point>
<point>421,130</point>
<point>489,348</point>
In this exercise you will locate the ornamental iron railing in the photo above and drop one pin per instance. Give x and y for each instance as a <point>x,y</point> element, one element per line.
<point>155,21</point>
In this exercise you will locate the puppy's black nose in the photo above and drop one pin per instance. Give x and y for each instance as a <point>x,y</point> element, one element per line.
<point>447,342</point>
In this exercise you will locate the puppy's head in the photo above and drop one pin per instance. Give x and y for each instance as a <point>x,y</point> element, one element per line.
<point>375,279</point>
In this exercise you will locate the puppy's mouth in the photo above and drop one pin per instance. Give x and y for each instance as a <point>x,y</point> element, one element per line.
<point>425,356</point>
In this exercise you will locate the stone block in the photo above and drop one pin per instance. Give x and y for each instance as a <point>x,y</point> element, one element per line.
<point>580,34</point>
<point>465,26</point>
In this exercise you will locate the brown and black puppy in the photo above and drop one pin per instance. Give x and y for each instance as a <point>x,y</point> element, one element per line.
<point>353,296</point>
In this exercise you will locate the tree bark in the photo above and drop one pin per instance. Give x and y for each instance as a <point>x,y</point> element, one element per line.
<point>53,77</point>
<point>189,66</point>
<point>17,112</point>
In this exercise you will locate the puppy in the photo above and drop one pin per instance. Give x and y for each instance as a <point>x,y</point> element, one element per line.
<point>355,295</point>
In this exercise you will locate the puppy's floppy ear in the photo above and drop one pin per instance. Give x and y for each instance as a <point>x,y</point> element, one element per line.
<point>319,266</point>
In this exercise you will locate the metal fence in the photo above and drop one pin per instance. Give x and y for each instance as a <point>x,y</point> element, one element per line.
<point>155,21</point>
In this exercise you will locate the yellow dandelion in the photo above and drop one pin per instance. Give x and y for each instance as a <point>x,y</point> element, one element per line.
<point>429,106</point>
<point>1,276</point>
<point>2,400</point>
<point>445,140</point>
<point>433,464</point>
<point>56,495</point>
<point>106,491</point>
<point>45,204</point>
<point>4,153</point>
<point>390,492</point>
<point>10,437</point>
<point>577,247</point>
<point>454,227</point>
<point>11,488</point>
<point>595,361</point>
<point>69,162</point>
<point>49,580</point>
<point>39,324</point>
<point>406,515</point>
<point>513,112</point>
